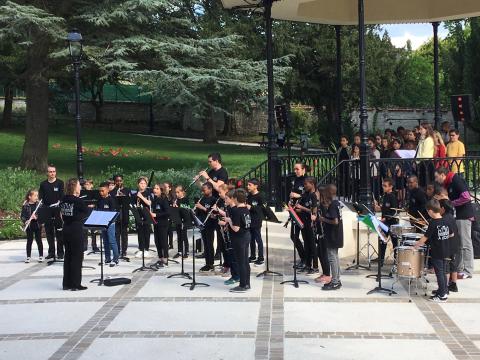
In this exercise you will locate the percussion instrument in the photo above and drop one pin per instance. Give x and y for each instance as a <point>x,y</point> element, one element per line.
<point>409,239</point>
<point>410,262</point>
<point>398,230</point>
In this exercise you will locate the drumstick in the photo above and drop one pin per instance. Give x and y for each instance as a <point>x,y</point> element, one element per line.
<point>423,217</point>
<point>419,228</point>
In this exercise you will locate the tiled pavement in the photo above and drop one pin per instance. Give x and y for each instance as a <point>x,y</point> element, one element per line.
<point>155,316</point>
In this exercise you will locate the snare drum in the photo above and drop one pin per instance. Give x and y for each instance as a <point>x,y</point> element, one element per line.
<point>409,239</point>
<point>410,262</point>
<point>398,230</point>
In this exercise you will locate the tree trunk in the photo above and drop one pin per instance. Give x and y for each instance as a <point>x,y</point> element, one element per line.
<point>209,128</point>
<point>35,147</point>
<point>7,108</point>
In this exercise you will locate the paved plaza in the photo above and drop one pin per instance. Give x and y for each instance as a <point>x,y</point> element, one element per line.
<point>154,317</point>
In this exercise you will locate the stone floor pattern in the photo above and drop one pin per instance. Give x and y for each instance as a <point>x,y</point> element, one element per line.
<point>156,317</point>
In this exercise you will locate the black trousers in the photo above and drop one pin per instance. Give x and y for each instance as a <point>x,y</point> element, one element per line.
<point>322,256</point>
<point>170,235</point>
<point>207,238</point>
<point>182,239</point>
<point>256,239</point>
<point>53,230</point>
<point>121,235</point>
<point>72,265</point>
<point>34,231</point>
<point>143,231</point>
<point>160,234</point>
<point>240,250</point>
<point>220,243</point>
<point>309,243</point>
<point>295,237</point>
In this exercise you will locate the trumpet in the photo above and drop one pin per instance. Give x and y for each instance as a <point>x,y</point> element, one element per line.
<point>195,179</point>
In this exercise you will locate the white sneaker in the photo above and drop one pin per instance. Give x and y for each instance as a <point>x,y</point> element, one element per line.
<point>40,259</point>
<point>27,260</point>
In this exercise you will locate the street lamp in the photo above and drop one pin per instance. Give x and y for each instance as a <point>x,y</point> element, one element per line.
<point>74,39</point>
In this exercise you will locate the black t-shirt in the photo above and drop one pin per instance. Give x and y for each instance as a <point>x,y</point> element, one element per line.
<point>184,210</point>
<point>240,217</point>
<point>308,200</point>
<point>206,202</point>
<point>417,202</point>
<point>455,243</point>
<point>73,209</point>
<point>439,235</point>
<point>333,233</point>
<point>297,184</point>
<point>389,201</point>
<point>161,208</point>
<point>51,193</point>
<point>106,204</point>
<point>216,175</point>
<point>256,212</point>
<point>455,189</point>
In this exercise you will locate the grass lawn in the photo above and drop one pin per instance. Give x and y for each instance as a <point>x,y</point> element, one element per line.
<point>134,152</point>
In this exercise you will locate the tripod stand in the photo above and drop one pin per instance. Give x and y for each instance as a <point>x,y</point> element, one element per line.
<point>267,270</point>
<point>182,273</point>
<point>356,261</point>
<point>191,285</point>
<point>379,288</point>
<point>295,281</point>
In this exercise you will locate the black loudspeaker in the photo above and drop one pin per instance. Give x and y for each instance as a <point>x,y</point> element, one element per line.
<point>117,281</point>
<point>462,108</point>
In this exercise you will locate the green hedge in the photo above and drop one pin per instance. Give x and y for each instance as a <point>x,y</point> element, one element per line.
<point>14,184</point>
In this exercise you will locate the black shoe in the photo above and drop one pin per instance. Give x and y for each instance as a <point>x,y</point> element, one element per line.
<point>434,292</point>
<point>170,247</point>
<point>217,256</point>
<point>252,259</point>
<point>452,287</point>
<point>247,287</point>
<point>302,269</point>
<point>159,264</point>
<point>332,286</point>
<point>177,255</point>
<point>67,288</point>
<point>79,288</point>
<point>200,256</point>
<point>258,262</point>
<point>60,256</point>
<point>185,256</point>
<point>299,265</point>
<point>238,289</point>
<point>96,250</point>
<point>206,269</point>
<point>48,257</point>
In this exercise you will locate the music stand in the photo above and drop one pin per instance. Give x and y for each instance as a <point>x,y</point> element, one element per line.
<point>197,223</point>
<point>357,266</point>
<point>45,214</point>
<point>268,215</point>
<point>295,281</point>
<point>174,213</point>
<point>182,273</point>
<point>100,220</point>
<point>139,220</point>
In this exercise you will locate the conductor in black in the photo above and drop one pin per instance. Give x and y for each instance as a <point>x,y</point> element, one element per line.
<point>73,211</point>
<point>51,192</point>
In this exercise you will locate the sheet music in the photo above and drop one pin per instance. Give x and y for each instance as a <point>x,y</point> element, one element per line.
<point>100,218</point>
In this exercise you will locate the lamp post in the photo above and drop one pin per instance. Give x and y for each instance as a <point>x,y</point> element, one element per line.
<point>74,39</point>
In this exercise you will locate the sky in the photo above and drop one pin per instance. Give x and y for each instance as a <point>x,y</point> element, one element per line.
<point>417,33</point>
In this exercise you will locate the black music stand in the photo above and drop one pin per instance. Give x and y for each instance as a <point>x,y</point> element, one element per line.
<point>268,215</point>
<point>295,281</point>
<point>139,220</point>
<point>100,220</point>
<point>357,265</point>
<point>379,288</point>
<point>182,273</point>
<point>197,223</point>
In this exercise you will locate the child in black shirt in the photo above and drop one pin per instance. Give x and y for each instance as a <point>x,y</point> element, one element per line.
<point>307,210</point>
<point>333,227</point>
<point>185,221</point>
<point>438,236</point>
<point>239,223</point>
<point>255,204</point>
<point>160,212</point>
<point>203,210</point>
<point>389,202</point>
<point>34,228</point>
<point>107,203</point>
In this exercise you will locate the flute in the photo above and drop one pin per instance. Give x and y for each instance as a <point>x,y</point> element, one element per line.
<point>195,179</point>
<point>27,223</point>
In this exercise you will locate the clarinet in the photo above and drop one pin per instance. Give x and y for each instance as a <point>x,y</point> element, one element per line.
<point>292,203</point>
<point>226,233</point>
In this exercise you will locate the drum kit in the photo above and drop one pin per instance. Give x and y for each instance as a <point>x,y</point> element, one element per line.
<point>411,263</point>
